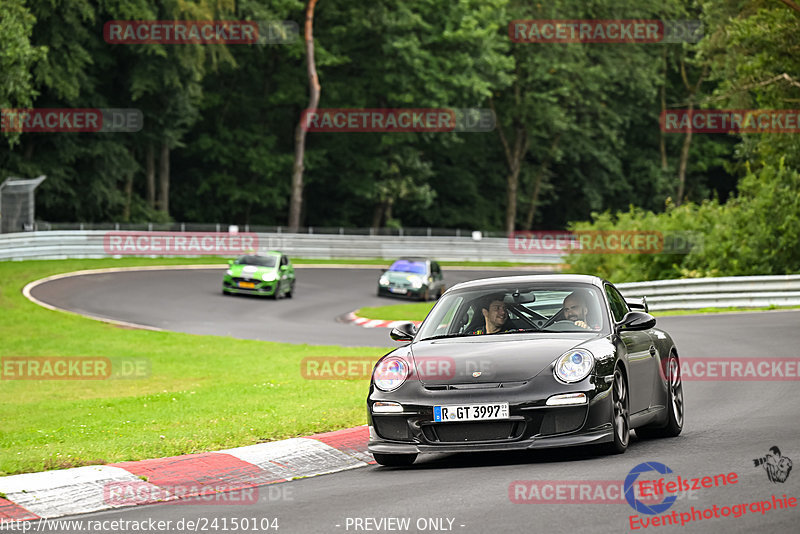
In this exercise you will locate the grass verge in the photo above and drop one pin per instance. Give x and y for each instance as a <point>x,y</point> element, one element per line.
<point>203,392</point>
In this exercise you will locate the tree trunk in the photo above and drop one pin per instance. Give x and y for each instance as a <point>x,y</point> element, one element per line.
<point>150,171</point>
<point>687,142</point>
<point>377,215</point>
<point>126,212</point>
<point>296,201</point>
<point>662,142</point>
<point>514,159</point>
<point>163,178</point>
<point>537,184</point>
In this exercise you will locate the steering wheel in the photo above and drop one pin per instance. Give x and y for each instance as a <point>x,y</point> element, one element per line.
<point>553,319</point>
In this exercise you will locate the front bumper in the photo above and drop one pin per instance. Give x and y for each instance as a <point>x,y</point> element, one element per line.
<point>410,292</point>
<point>531,423</point>
<point>261,288</point>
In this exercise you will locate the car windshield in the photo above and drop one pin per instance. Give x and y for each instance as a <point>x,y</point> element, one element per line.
<point>260,261</point>
<point>531,307</point>
<point>407,266</point>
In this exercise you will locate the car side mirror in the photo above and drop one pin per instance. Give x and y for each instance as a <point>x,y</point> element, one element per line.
<point>230,263</point>
<point>403,332</point>
<point>636,320</point>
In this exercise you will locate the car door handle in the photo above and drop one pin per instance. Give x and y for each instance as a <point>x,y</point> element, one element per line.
<point>652,350</point>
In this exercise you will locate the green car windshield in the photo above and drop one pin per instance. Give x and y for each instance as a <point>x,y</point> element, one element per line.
<point>260,261</point>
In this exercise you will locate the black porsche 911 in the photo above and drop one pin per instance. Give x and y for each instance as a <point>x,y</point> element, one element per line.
<point>525,362</point>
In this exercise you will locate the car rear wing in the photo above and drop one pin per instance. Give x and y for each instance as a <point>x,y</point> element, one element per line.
<point>638,304</point>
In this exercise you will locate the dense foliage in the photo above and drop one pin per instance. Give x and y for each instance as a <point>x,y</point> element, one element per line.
<point>577,124</point>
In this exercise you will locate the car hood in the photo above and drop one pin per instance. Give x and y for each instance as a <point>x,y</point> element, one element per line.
<point>497,358</point>
<point>252,271</point>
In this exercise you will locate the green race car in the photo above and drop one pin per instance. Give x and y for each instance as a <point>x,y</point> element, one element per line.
<point>269,274</point>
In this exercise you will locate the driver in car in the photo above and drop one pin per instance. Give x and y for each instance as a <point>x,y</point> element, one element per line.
<point>576,310</point>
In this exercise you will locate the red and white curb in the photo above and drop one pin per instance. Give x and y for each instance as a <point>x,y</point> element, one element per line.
<point>82,490</point>
<point>374,323</point>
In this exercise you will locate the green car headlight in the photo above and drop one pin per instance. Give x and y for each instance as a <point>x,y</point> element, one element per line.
<point>574,365</point>
<point>416,281</point>
<point>268,277</point>
<point>229,272</point>
<point>384,281</point>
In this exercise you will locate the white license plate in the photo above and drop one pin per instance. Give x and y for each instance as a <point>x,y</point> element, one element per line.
<point>400,290</point>
<point>470,412</point>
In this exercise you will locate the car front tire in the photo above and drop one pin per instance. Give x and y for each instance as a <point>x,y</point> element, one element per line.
<point>395,460</point>
<point>620,415</point>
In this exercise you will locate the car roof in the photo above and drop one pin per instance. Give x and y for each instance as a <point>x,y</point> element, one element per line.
<point>264,253</point>
<point>531,278</point>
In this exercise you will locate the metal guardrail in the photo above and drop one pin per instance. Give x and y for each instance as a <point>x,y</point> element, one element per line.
<point>724,292</point>
<point>689,294</point>
<point>90,244</point>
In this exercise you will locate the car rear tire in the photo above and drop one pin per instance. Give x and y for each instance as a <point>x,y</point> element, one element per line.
<point>395,460</point>
<point>426,296</point>
<point>675,405</point>
<point>620,414</point>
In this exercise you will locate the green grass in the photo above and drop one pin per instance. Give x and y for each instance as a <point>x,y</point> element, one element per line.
<point>419,310</point>
<point>204,392</point>
<point>416,311</point>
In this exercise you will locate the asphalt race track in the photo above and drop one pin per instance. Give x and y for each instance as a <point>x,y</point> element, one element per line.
<point>728,423</point>
<point>191,301</point>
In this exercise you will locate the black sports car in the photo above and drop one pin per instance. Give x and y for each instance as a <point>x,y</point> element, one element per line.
<point>525,362</point>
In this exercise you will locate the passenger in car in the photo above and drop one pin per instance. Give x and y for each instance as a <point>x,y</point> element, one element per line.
<point>495,315</point>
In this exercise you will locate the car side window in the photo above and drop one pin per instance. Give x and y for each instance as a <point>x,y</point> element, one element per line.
<point>283,260</point>
<point>618,305</point>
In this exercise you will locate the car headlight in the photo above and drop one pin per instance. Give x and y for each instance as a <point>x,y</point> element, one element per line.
<point>384,281</point>
<point>268,277</point>
<point>416,281</point>
<point>390,373</point>
<point>229,272</point>
<point>574,365</point>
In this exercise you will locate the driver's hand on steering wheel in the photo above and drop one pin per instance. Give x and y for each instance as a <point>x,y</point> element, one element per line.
<point>583,324</point>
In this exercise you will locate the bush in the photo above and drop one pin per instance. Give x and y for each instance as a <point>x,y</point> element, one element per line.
<point>755,232</point>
